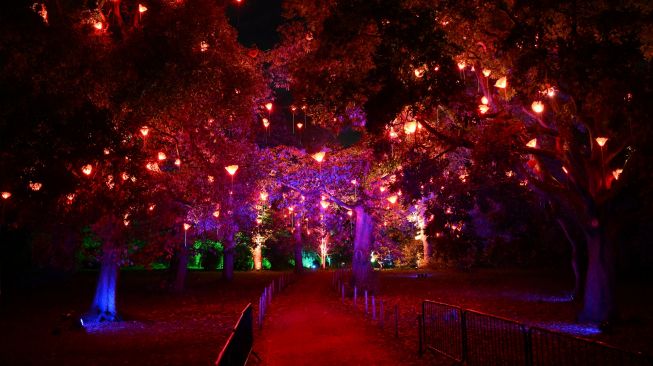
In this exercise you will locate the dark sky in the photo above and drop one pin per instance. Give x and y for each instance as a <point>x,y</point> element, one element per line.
<point>257,21</point>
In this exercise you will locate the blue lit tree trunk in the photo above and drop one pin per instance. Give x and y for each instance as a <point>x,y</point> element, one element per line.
<point>104,302</point>
<point>297,247</point>
<point>598,302</point>
<point>361,268</point>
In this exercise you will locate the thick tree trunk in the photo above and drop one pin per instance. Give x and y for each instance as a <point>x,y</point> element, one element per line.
<point>104,303</point>
<point>181,270</point>
<point>258,257</point>
<point>598,304</point>
<point>426,250</point>
<point>578,291</point>
<point>361,268</point>
<point>297,248</point>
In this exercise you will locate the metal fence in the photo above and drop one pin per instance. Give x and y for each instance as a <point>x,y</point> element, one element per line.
<point>241,340</point>
<point>475,338</point>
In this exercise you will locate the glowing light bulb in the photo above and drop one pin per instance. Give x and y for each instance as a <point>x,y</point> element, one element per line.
<point>161,155</point>
<point>486,72</point>
<point>319,156</point>
<point>6,195</point>
<point>178,162</point>
<point>484,100</point>
<point>266,123</point>
<point>601,141</point>
<point>393,134</point>
<point>392,199</point>
<point>482,109</point>
<point>461,65</point>
<point>231,169</point>
<point>502,83</point>
<point>186,226</point>
<point>35,186</point>
<point>616,173</point>
<point>142,8</point>
<point>268,106</point>
<point>216,214</point>
<point>263,196</point>
<point>98,25</point>
<point>537,106</point>
<point>532,143</point>
<point>204,46</point>
<point>300,125</point>
<point>350,213</point>
<point>324,204</point>
<point>410,127</point>
<point>145,130</point>
<point>87,169</point>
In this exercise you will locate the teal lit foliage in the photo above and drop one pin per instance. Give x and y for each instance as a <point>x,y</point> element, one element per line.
<point>206,255</point>
<point>266,263</point>
<point>244,260</point>
<point>310,259</point>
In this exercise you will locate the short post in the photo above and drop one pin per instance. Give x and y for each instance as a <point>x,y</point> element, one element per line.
<point>373,308</point>
<point>365,301</point>
<point>420,331</point>
<point>342,292</point>
<point>397,320</point>
<point>355,295</point>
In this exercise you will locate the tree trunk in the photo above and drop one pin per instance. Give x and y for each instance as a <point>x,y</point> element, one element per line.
<point>426,249</point>
<point>258,257</point>
<point>228,253</point>
<point>297,248</point>
<point>361,268</point>
<point>181,270</point>
<point>598,304</point>
<point>104,303</point>
<point>578,291</point>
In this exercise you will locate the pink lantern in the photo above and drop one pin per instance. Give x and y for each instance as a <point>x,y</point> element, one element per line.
<point>231,169</point>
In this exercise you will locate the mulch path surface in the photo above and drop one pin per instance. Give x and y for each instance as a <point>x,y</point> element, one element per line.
<point>307,325</point>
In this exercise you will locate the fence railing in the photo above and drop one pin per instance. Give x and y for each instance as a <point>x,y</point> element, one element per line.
<point>240,342</point>
<point>475,338</point>
<point>239,345</point>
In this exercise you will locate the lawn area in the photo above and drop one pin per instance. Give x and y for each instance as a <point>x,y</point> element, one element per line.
<point>534,297</point>
<point>158,328</point>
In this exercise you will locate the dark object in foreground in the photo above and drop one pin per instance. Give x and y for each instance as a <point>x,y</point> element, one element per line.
<point>475,338</point>
<point>239,345</point>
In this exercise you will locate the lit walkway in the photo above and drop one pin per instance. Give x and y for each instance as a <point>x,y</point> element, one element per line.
<point>307,325</point>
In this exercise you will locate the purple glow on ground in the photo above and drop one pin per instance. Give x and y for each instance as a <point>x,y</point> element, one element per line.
<point>530,297</point>
<point>571,328</point>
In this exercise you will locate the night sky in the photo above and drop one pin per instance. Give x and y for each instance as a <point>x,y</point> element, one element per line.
<point>257,22</point>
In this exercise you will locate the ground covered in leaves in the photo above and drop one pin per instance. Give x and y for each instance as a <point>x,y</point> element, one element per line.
<point>40,325</point>
<point>534,297</point>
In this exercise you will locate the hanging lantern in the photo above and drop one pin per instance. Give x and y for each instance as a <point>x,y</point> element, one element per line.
<point>461,65</point>
<point>145,130</point>
<point>6,195</point>
<point>161,155</point>
<point>484,100</point>
<point>537,106</point>
<point>482,109</point>
<point>502,83</point>
<point>216,214</point>
<point>266,123</point>
<point>617,173</point>
<point>392,199</point>
<point>263,196</point>
<point>300,125</point>
<point>231,169</point>
<point>210,178</point>
<point>532,143</point>
<point>550,92</point>
<point>410,127</point>
<point>98,25</point>
<point>151,208</point>
<point>70,197</point>
<point>178,162</point>
<point>393,134</point>
<point>601,141</point>
<point>350,213</point>
<point>142,8</point>
<point>319,156</point>
<point>268,106</point>
<point>420,71</point>
<point>186,226</point>
<point>87,169</point>
<point>324,204</point>
<point>486,72</point>
<point>35,186</point>
<point>125,176</point>
<point>204,46</point>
